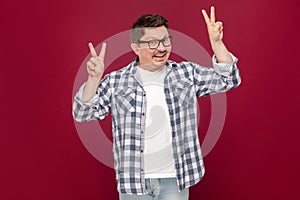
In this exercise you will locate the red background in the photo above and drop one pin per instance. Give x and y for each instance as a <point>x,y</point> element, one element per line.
<point>42,45</point>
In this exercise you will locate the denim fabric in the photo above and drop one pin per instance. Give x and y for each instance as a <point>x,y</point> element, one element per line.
<point>159,189</point>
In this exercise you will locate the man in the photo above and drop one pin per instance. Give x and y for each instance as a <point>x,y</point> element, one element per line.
<point>162,161</point>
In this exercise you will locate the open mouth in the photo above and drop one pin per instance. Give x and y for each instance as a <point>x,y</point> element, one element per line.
<point>160,56</point>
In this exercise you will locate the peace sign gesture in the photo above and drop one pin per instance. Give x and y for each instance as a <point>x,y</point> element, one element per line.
<point>95,66</point>
<point>215,29</point>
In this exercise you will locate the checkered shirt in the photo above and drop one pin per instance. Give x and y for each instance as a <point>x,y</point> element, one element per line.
<point>122,94</point>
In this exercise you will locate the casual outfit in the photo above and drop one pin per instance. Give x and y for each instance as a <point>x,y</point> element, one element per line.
<point>154,121</point>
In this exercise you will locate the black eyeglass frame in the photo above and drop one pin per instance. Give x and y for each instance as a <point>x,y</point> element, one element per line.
<point>159,41</point>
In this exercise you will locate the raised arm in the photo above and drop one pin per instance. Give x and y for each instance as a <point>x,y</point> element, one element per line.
<point>95,68</point>
<point>92,101</point>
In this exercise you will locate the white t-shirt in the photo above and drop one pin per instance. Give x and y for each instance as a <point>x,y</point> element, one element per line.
<point>159,161</point>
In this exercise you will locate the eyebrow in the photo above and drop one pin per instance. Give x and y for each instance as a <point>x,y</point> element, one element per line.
<point>154,38</point>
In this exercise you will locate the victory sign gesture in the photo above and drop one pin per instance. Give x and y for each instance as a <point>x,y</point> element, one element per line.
<point>95,69</point>
<point>95,66</point>
<point>215,33</point>
<point>215,29</point>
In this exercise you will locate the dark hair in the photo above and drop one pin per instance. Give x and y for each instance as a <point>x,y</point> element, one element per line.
<point>147,20</point>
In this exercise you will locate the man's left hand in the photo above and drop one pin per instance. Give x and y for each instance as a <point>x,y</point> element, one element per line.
<point>215,29</point>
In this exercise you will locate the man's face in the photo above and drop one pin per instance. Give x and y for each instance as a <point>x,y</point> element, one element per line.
<point>153,59</point>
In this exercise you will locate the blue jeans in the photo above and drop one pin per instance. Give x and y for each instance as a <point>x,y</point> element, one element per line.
<point>159,189</point>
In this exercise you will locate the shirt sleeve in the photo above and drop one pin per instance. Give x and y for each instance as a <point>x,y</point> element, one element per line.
<point>219,78</point>
<point>97,107</point>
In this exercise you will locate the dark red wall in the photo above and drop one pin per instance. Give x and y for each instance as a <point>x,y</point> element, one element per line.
<point>43,44</point>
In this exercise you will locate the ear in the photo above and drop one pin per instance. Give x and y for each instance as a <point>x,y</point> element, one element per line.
<point>135,48</point>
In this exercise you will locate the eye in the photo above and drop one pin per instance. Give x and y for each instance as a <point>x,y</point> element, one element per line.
<point>153,42</point>
<point>167,39</point>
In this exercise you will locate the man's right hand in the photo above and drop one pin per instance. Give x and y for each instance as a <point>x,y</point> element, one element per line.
<point>95,66</point>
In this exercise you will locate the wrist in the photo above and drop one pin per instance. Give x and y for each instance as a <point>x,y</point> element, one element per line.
<point>215,45</point>
<point>92,80</point>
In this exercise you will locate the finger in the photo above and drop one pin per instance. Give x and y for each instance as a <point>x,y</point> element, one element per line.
<point>206,18</point>
<point>221,29</point>
<point>218,25</point>
<point>212,14</point>
<point>103,50</point>
<point>94,61</point>
<point>90,66</point>
<point>92,50</point>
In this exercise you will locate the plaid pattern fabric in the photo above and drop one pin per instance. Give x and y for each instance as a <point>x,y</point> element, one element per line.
<point>121,93</point>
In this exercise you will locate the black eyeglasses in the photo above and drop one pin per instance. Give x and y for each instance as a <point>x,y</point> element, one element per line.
<point>154,44</point>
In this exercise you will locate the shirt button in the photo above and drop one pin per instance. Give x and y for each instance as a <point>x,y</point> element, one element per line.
<point>143,114</point>
<point>144,94</point>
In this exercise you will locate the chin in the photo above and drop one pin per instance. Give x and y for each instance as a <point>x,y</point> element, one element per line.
<point>159,64</point>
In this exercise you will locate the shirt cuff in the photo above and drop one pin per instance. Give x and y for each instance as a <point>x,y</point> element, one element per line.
<point>94,101</point>
<point>224,69</point>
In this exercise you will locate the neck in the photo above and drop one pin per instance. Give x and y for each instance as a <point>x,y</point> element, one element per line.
<point>149,67</point>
